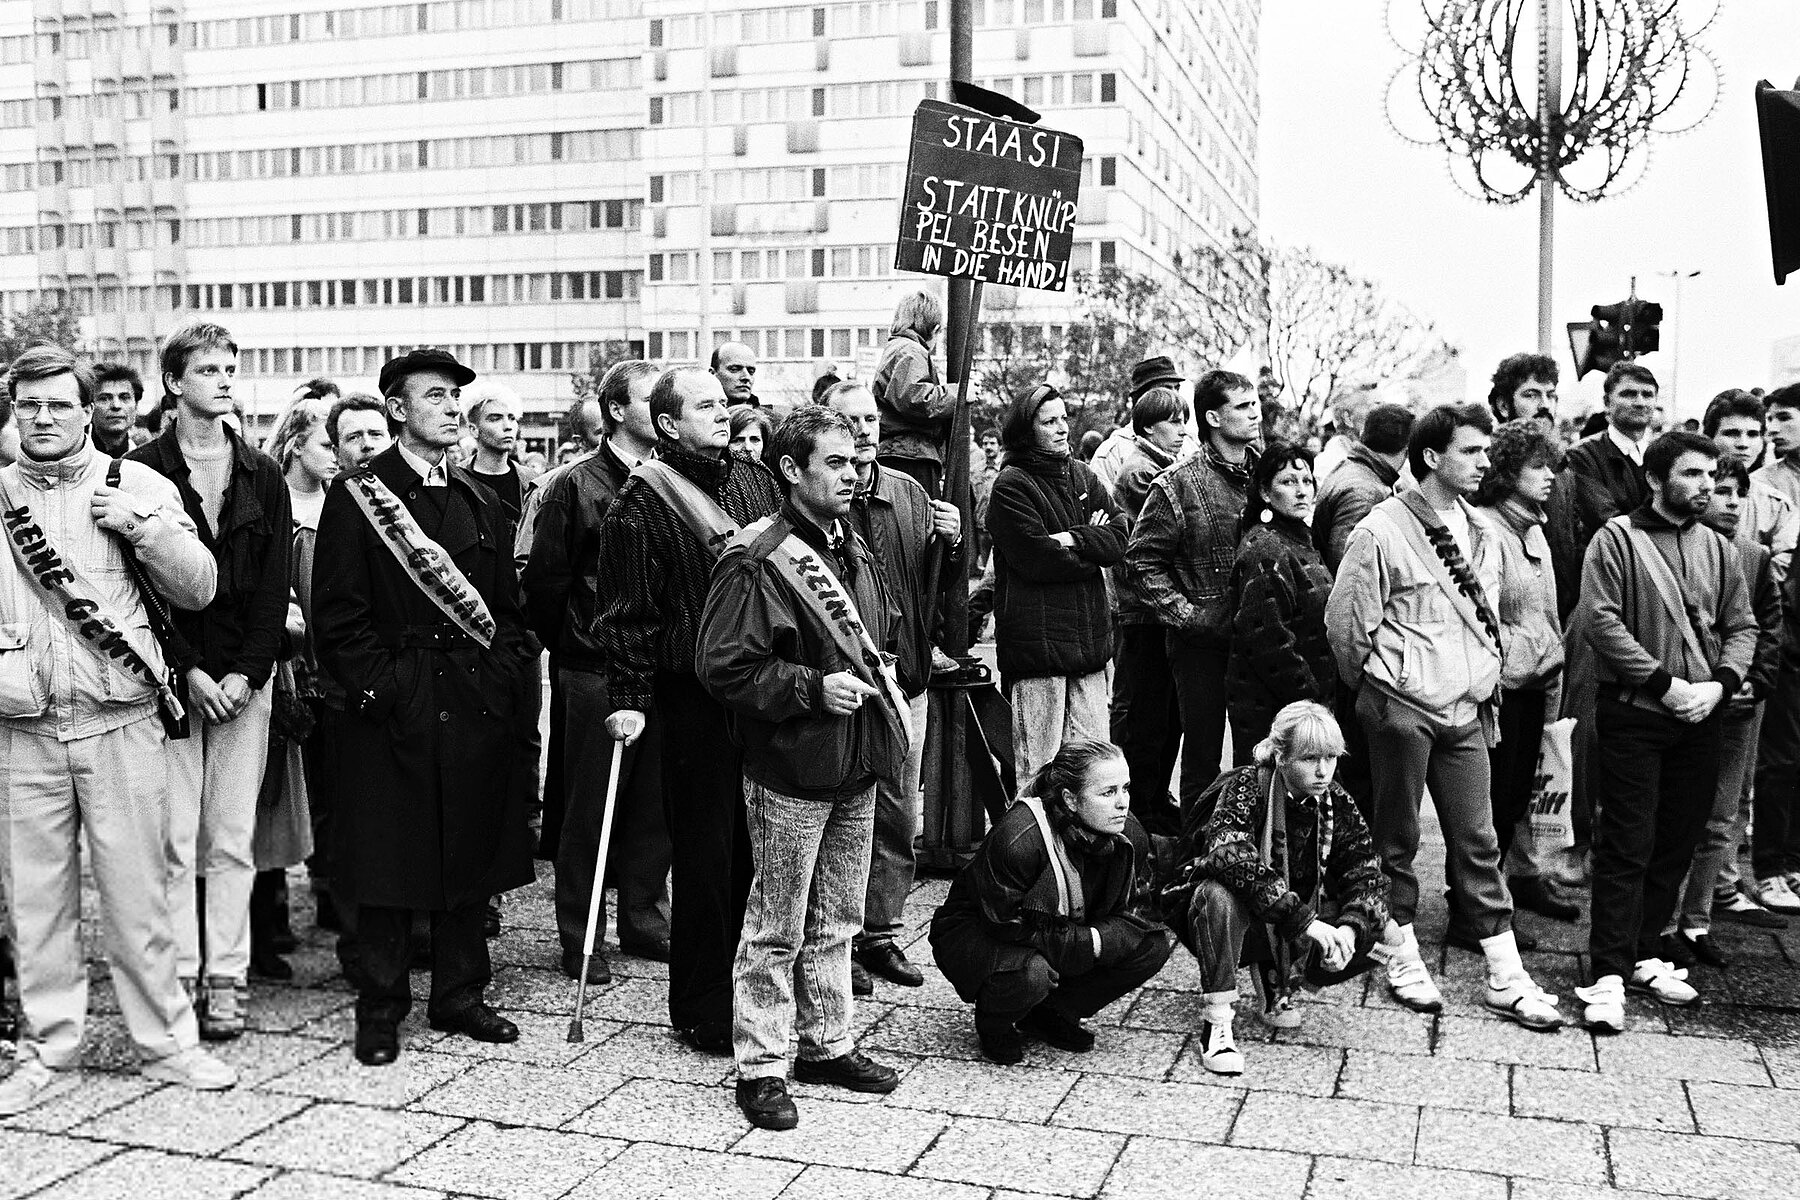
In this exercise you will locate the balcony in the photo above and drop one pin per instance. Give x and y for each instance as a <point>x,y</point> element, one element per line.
<point>802,295</point>
<point>724,62</point>
<point>802,137</point>
<point>1093,39</point>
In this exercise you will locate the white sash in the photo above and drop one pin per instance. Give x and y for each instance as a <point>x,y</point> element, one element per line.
<point>422,559</point>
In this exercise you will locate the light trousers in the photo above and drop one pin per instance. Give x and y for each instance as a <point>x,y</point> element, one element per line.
<point>113,786</point>
<point>1050,711</point>
<point>806,903</point>
<point>215,775</point>
<point>1737,759</point>
<point>898,812</point>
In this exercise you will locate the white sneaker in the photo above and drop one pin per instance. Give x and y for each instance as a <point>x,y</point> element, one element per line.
<point>1408,979</point>
<point>193,1068</point>
<point>25,1087</point>
<point>1777,896</point>
<point>1605,1000</point>
<point>1218,1051</point>
<point>1519,999</point>
<point>1665,981</point>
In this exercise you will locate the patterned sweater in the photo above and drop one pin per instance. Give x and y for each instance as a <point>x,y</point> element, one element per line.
<point>1327,852</point>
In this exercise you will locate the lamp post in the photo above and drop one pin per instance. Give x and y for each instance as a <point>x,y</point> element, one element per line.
<point>1576,117</point>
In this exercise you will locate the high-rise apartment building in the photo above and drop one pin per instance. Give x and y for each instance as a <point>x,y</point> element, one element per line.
<point>524,181</point>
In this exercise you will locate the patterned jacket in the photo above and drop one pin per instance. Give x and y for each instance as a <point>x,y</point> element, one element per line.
<point>1328,853</point>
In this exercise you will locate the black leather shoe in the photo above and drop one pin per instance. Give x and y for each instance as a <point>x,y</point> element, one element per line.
<point>855,1072</point>
<point>860,982</point>
<point>888,961</point>
<point>1530,891</point>
<point>479,1022</point>
<point>1001,1041</point>
<point>265,963</point>
<point>709,1037</point>
<point>655,951</point>
<point>598,970</point>
<point>377,1043</point>
<point>1058,1029</point>
<point>1700,948</point>
<point>766,1103</point>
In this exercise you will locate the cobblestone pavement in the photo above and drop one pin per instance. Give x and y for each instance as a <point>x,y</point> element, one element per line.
<point>1364,1100</point>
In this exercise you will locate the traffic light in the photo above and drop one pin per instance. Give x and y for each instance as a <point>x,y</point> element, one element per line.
<point>1642,335</point>
<point>1778,123</point>
<point>1618,331</point>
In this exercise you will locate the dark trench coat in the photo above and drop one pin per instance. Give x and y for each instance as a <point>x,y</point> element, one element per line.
<point>428,816</point>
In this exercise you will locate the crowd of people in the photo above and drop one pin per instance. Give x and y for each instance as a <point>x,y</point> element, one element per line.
<point>220,662</point>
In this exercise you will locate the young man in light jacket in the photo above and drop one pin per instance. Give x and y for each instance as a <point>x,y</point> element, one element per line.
<point>1668,614</point>
<point>1412,623</point>
<point>81,746</point>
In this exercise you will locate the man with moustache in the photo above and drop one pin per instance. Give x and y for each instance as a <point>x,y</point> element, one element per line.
<point>117,391</point>
<point>561,584</point>
<point>663,533</point>
<point>236,497</point>
<point>794,644</point>
<point>1667,610</point>
<point>902,529</point>
<point>418,617</point>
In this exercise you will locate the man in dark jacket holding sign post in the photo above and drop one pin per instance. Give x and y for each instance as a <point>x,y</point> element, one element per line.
<point>418,617</point>
<point>795,643</point>
<point>663,533</point>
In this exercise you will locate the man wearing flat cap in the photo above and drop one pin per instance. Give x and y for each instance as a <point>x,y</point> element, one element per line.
<point>418,616</point>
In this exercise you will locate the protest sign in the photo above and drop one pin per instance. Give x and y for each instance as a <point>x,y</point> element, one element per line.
<point>988,199</point>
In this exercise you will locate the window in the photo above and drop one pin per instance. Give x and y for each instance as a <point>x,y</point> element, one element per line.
<point>1109,87</point>
<point>656,189</point>
<point>1109,171</point>
<point>656,268</point>
<point>1109,253</point>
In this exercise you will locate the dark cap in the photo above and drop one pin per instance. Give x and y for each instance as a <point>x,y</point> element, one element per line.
<point>426,358</point>
<point>1152,373</point>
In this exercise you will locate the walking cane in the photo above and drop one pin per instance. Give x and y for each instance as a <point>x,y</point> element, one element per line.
<point>576,1034</point>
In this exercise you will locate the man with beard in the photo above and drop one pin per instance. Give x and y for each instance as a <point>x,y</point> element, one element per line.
<point>663,533</point>
<point>417,615</point>
<point>902,529</point>
<point>1666,608</point>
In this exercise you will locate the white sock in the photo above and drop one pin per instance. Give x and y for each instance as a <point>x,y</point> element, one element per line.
<point>1216,1007</point>
<point>1502,954</point>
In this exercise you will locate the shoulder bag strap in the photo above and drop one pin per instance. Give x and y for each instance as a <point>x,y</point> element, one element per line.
<point>1663,579</point>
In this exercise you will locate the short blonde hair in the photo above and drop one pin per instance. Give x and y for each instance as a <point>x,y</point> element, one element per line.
<point>918,312</point>
<point>1304,729</point>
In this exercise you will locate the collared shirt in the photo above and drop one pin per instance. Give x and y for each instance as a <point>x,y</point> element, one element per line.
<point>434,474</point>
<point>1630,449</point>
<point>631,462</point>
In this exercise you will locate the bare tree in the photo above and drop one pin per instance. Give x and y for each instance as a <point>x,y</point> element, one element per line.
<point>1016,357</point>
<point>1328,325</point>
<point>1218,298</point>
<point>1123,318</point>
<point>600,358</point>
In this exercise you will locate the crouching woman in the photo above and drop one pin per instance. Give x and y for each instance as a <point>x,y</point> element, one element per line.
<point>1038,930</point>
<point>1281,876</point>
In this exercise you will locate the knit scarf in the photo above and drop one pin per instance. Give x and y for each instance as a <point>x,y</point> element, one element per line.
<point>1520,515</point>
<point>1039,462</point>
<point>1450,554</point>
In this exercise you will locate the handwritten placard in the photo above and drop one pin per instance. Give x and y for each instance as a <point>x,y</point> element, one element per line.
<point>988,199</point>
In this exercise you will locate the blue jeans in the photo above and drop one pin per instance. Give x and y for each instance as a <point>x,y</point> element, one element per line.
<point>806,903</point>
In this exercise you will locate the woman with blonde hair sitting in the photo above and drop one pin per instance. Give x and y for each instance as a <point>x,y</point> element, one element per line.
<point>1276,870</point>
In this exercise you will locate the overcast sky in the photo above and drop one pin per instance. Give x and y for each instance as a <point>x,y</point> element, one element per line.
<point>1336,178</point>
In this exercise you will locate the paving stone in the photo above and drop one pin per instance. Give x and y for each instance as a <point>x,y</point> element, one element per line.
<point>1352,1179</point>
<point>836,1183</point>
<point>926,1032</point>
<point>634,1001</point>
<point>189,1121</point>
<point>1746,1112</point>
<point>1310,1125</point>
<point>983,1089</point>
<point>339,1025</point>
<point>1360,1029</point>
<point>1491,1039</point>
<point>531,989</point>
<point>1179,1012</point>
<point>836,1134</point>
<point>518,1094</point>
<point>29,1161</point>
<point>338,1076</point>
<point>1566,1151</point>
<point>107,1046</point>
<point>647,1172</point>
<point>705,1117</point>
<point>653,1051</point>
<point>305,1185</point>
<point>1662,1056</point>
<point>284,1010</point>
<point>79,1096</point>
<point>935,992</point>
<point>1155,1169</point>
<point>1434,1082</point>
<point>1602,1099</point>
<point>1543,1189</point>
<point>1784,1065</point>
<point>1144,1053</point>
<point>1065,1162</point>
<point>1725,1168</point>
<point>1760,1025</point>
<point>260,1057</point>
<point>1181,974</point>
<point>343,1139</point>
<point>902,1065</point>
<point>1772,984</point>
<point>154,1175</point>
<point>1181,1111</point>
<point>508,1164</point>
<point>1299,1070</point>
<point>543,1041</point>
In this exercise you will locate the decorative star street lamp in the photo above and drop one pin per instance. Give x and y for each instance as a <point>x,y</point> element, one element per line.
<point>1548,94</point>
